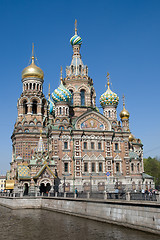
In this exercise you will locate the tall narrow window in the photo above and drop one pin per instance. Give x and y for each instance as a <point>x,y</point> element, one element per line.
<point>116,146</point>
<point>82,97</point>
<point>85,167</point>
<point>65,145</point>
<point>60,110</point>
<point>93,167</point>
<point>30,85</point>
<point>80,68</point>
<point>25,108</point>
<point>100,167</point>
<point>43,103</point>
<point>72,69</point>
<point>132,167</point>
<point>66,167</point>
<point>117,167</point>
<point>92,145</point>
<point>137,167</point>
<point>85,145</point>
<point>71,91</point>
<point>34,85</point>
<point>34,107</point>
<point>99,146</point>
<point>109,113</point>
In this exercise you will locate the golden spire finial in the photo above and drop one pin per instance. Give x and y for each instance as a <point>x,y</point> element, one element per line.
<point>49,91</point>
<point>32,52</point>
<point>61,76</point>
<point>41,133</point>
<point>108,79</point>
<point>75,24</point>
<point>123,101</point>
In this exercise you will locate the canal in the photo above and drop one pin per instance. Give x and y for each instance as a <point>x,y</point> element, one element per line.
<point>45,225</point>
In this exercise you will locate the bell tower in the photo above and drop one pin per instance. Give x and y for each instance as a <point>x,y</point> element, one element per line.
<point>77,80</point>
<point>32,111</point>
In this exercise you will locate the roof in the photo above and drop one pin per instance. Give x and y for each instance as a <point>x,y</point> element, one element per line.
<point>133,155</point>
<point>23,172</point>
<point>145,175</point>
<point>41,170</point>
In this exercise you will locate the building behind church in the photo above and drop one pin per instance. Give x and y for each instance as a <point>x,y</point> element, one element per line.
<point>64,142</point>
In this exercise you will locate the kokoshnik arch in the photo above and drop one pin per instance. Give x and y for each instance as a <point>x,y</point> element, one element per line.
<point>67,137</point>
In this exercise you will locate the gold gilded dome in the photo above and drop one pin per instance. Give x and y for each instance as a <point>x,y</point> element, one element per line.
<point>32,70</point>
<point>131,137</point>
<point>124,114</point>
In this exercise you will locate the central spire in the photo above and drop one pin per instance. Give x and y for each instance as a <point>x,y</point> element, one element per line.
<point>75,26</point>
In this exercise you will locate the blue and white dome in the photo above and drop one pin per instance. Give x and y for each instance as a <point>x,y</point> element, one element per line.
<point>76,40</point>
<point>61,94</point>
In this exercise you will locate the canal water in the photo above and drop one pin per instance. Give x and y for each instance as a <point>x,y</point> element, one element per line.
<point>46,225</point>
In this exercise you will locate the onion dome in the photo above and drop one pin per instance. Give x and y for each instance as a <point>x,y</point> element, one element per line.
<point>131,137</point>
<point>109,97</point>
<point>124,114</point>
<point>32,70</point>
<point>61,94</point>
<point>76,40</point>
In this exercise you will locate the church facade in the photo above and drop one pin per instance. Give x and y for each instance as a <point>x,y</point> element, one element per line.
<point>65,137</point>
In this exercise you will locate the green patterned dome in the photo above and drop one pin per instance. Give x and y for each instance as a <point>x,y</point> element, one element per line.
<point>109,98</point>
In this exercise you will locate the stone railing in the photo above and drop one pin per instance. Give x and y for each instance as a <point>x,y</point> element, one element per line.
<point>128,196</point>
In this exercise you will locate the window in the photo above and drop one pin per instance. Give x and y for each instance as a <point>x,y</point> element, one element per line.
<point>117,167</point>
<point>132,167</point>
<point>82,97</point>
<point>93,167</point>
<point>60,110</point>
<point>34,85</point>
<point>100,167</point>
<point>43,104</point>
<point>80,68</point>
<point>116,146</point>
<point>72,69</point>
<point>85,167</point>
<point>71,91</point>
<point>85,145</point>
<point>99,146</point>
<point>25,108</point>
<point>137,167</point>
<point>34,107</point>
<point>109,113</point>
<point>66,167</point>
<point>92,145</point>
<point>65,145</point>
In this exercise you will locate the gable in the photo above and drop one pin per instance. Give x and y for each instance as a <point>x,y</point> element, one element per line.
<point>44,172</point>
<point>93,121</point>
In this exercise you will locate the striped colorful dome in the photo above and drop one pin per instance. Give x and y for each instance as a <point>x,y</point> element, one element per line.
<point>76,40</point>
<point>109,98</point>
<point>61,94</point>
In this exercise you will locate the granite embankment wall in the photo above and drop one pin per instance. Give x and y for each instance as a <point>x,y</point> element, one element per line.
<point>138,215</point>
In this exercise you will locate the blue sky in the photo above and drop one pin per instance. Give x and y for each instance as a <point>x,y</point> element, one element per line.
<point>119,37</point>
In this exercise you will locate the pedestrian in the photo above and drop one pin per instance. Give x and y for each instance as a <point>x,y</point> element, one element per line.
<point>76,192</point>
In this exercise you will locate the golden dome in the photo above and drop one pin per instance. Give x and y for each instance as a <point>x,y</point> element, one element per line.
<point>124,114</point>
<point>32,71</point>
<point>131,137</point>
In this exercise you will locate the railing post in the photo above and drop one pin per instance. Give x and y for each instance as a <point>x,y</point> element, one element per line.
<point>88,195</point>
<point>105,195</point>
<point>128,196</point>
<point>75,195</point>
<point>56,194</point>
<point>158,197</point>
<point>64,194</point>
<point>48,194</point>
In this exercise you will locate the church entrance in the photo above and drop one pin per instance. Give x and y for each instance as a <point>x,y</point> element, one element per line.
<point>45,188</point>
<point>26,189</point>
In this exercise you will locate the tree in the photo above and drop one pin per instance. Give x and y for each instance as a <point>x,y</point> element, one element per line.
<point>152,167</point>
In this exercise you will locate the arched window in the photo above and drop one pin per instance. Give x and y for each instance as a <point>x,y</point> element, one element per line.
<point>72,69</point>
<point>71,91</point>
<point>37,86</point>
<point>109,113</point>
<point>40,87</point>
<point>137,167</point>
<point>34,85</point>
<point>43,103</point>
<point>132,167</point>
<point>30,85</point>
<point>25,108</point>
<point>60,110</point>
<point>82,97</point>
<point>27,86</point>
<point>80,68</point>
<point>34,107</point>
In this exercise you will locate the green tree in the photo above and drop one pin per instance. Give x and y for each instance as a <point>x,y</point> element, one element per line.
<point>152,167</point>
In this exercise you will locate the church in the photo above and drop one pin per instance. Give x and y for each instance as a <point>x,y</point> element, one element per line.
<point>64,142</point>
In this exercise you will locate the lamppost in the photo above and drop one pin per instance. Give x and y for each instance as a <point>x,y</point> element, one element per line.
<point>90,183</point>
<point>64,186</point>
